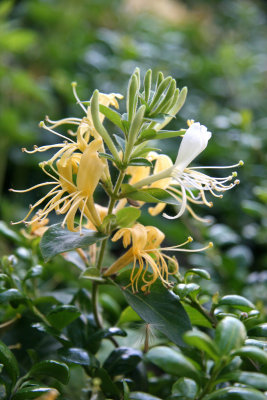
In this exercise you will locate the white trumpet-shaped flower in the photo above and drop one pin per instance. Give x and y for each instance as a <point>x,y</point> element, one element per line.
<point>187,183</point>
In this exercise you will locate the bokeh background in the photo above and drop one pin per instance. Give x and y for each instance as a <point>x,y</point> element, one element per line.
<point>218,49</point>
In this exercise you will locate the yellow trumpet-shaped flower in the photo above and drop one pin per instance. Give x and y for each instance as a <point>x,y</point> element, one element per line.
<point>145,250</point>
<point>67,197</point>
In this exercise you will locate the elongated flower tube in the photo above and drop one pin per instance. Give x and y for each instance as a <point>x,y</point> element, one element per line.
<point>67,197</point>
<point>187,183</point>
<point>145,250</point>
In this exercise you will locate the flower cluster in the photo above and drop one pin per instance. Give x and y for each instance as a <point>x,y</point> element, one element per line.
<point>85,157</point>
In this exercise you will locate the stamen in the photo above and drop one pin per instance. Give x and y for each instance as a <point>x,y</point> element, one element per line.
<point>42,125</point>
<point>33,187</point>
<point>74,85</point>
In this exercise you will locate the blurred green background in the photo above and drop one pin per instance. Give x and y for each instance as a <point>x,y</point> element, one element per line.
<point>216,48</point>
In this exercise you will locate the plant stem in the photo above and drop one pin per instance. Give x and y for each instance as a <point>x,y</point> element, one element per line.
<point>112,202</point>
<point>210,384</point>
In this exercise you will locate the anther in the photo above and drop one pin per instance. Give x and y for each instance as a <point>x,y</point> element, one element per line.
<point>41,124</point>
<point>23,149</point>
<point>241,163</point>
<point>210,245</point>
<point>73,84</point>
<point>234,174</point>
<point>236,182</point>
<point>210,204</point>
<point>190,239</point>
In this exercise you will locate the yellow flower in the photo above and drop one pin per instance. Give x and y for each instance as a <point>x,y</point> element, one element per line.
<point>66,196</point>
<point>145,250</point>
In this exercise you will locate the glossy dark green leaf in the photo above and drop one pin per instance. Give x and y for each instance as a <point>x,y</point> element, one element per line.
<point>128,315</point>
<point>203,342</point>
<point>106,333</point>
<point>127,216</point>
<point>258,331</point>
<point>186,388</point>
<point>108,387</point>
<point>173,362</point>
<point>236,301</point>
<point>160,307</point>
<point>57,240</point>
<point>122,360</point>
<point>230,334</point>
<point>30,392</point>
<point>202,273</point>
<point>183,289</point>
<point>62,316</point>
<point>75,355</point>
<point>55,369</point>
<point>112,115</point>
<point>253,352</point>
<point>41,327</point>
<point>253,379</point>
<point>11,295</point>
<point>235,393</point>
<point>9,361</point>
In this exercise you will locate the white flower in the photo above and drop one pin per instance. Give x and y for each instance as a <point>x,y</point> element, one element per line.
<point>195,140</point>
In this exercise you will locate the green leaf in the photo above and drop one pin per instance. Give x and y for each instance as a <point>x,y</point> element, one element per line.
<point>8,233</point>
<point>106,333</point>
<point>127,216</point>
<point>169,134</point>
<point>258,331</point>
<point>202,273</point>
<point>107,385</point>
<point>173,362</point>
<point>203,342</point>
<point>254,379</point>
<point>183,289</point>
<point>158,118</point>
<point>236,301</point>
<point>196,318</point>
<point>30,392</point>
<point>230,334</point>
<point>235,393</point>
<point>108,156</point>
<point>62,316</point>
<point>11,295</point>
<point>75,355</point>
<point>146,134</point>
<point>93,274</point>
<point>9,361</point>
<point>41,327</point>
<point>57,240</point>
<point>120,141</point>
<point>34,272</point>
<point>140,162</point>
<point>55,369</point>
<point>112,115</point>
<point>252,352</point>
<point>186,388</point>
<point>142,396</point>
<point>160,307</point>
<point>122,360</point>
<point>128,315</point>
<point>149,195</point>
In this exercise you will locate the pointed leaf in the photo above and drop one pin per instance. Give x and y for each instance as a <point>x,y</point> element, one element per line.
<point>169,134</point>
<point>149,195</point>
<point>112,115</point>
<point>57,240</point>
<point>160,307</point>
<point>140,162</point>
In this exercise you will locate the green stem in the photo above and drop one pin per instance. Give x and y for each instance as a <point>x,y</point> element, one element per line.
<point>112,202</point>
<point>210,384</point>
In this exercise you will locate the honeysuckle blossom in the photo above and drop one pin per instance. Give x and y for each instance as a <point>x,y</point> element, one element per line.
<point>145,250</point>
<point>184,181</point>
<point>68,196</point>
